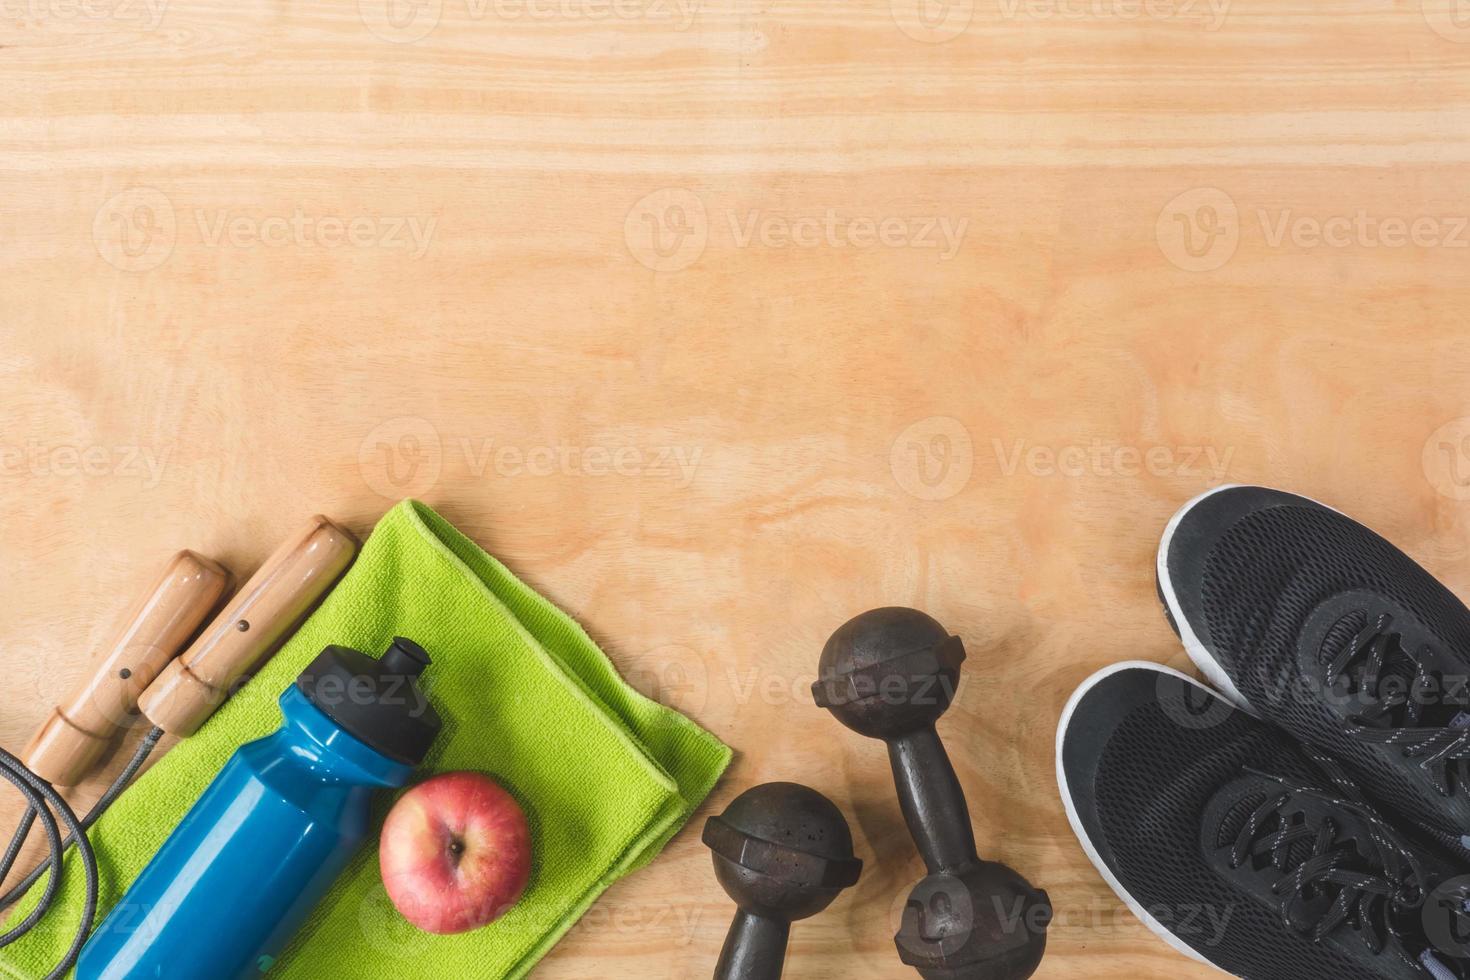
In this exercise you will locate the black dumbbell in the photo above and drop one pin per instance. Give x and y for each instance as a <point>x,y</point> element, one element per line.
<point>889,674</point>
<point>782,852</point>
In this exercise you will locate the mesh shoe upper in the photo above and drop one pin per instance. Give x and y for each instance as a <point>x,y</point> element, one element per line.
<point>1276,587</point>
<point>1170,786</point>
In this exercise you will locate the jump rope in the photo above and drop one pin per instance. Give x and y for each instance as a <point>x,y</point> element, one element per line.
<point>147,671</point>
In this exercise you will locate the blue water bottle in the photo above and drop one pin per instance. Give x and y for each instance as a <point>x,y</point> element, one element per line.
<point>240,874</point>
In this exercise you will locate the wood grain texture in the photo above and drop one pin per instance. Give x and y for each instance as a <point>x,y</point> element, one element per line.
<point>722,322</point>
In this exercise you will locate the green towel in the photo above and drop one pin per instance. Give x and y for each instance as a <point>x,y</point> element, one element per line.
<point>605,775</point>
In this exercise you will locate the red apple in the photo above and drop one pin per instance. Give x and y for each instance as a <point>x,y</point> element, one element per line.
<point>455,853</point>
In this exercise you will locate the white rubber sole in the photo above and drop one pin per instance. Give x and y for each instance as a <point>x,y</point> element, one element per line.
<point>1202,657</point>
<point>1154,926</point>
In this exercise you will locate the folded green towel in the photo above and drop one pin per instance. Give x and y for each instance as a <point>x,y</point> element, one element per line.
<point>605,775</point>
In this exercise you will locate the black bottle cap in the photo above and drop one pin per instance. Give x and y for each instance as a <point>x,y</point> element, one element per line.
<point>377,700</point>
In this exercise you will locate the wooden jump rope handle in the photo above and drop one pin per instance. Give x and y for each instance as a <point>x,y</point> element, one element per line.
<point>267,609</point>
<point>77,733</point>
<point>142,671</point>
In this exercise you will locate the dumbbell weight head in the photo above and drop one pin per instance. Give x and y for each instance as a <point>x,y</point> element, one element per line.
<point>888,672</point>
<point>984,922</point>
<point>783,852</point>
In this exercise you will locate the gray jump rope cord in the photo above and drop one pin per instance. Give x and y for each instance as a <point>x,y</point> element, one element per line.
<point>43,800</point>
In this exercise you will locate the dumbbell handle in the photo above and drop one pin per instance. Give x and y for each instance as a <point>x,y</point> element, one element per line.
<point>755,948</point>
<point>932,801</point>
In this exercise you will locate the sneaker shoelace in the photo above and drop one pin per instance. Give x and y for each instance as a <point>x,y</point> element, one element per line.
<point>1395,717</point>
<point>1372,880</point>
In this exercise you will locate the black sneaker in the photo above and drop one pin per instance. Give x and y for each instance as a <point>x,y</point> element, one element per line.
<point>1311,621</point>
<point>1242,849</point>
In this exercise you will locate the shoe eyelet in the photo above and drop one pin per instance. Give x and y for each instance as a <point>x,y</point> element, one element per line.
<point>1411,896</point>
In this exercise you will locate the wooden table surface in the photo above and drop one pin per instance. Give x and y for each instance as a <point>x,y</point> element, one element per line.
<point>723,321</point>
